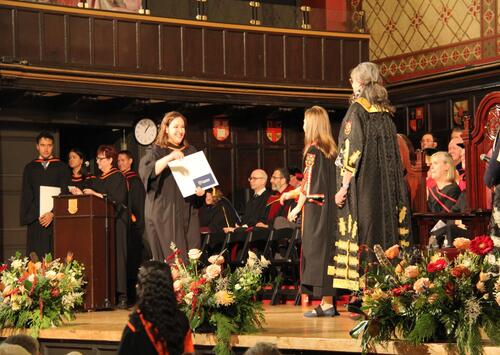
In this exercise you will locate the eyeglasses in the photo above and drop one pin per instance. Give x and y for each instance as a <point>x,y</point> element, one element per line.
<point>254,178</point>
<point>277,177</point>
<point>100,158</point>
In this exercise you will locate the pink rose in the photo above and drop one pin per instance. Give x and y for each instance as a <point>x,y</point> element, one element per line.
<point>213,271</point>
<point>421,285</point>
<point>216,259</point>
<point>411,271</point>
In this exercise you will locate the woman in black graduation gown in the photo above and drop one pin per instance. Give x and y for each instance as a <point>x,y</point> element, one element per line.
<point>445,193</point>
<point>217,212</point>
<point>112,183</point>
<point>156,325</point>
<point>169,217</point>
<point>318,216</point>
<point>80,178</point>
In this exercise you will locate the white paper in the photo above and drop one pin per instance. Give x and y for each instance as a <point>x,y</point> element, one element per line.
<point>46,200</point>
<point>192,171</point>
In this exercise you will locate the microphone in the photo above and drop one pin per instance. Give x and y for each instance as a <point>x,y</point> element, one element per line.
<point>484,158</point>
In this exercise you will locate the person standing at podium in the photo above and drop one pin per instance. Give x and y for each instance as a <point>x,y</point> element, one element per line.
<point>44,171</point>
<point>113,185</point>
<point>169,217</point>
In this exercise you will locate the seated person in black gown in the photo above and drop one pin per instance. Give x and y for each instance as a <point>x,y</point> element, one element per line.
<point>113,185</point>
<point>217,212</point>
<point>156,325</point>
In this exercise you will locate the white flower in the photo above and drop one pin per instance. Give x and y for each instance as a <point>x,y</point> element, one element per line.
<point>15,306</point>
<point>177,285</point>
<point>17,264</point>
<point>237,287</point>
<point>252,255</point>
<point>51,275</point>
<point>216,259</point>
<point>264,262</point>
<point>496,241</point>
<point>213,271</point>
<point>38,265</point>
<point>490,258</point>
<point>31,278</point>
<point>189,298</point>
<point>194,254</point>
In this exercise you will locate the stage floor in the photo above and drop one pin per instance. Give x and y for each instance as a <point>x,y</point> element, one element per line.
<point>285,326</point>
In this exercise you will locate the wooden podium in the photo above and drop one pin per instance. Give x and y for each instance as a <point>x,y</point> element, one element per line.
<point>80,227</point>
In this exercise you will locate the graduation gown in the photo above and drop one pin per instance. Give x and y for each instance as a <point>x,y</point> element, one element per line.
<point>255,209</point>
<point>82,181</point>
<point>169,217</point>
<point>218,216</point>
<point>377,206</point>
<point>40,239</point>
<point>114,184</point>
<point>275,208</point>
<point>318,223</point>
<point>443,200</point>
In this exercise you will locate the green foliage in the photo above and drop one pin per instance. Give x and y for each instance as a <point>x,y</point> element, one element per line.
<point>424,329</point>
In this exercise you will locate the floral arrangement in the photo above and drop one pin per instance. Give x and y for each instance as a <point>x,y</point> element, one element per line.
<point>217,296</point>
<point>425,296</point>
<point>39,294</point>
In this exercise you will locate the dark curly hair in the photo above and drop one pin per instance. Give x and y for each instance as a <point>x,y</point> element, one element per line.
<point>157,302</point>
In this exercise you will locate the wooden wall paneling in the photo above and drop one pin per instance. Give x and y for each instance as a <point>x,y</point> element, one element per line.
<point>333,66</point>
<point>54,43</point>
<point>365,50</point>
<point>295,157</point>
<point>149,47</point>
<point>171,50</point>
<point>28,36</point>
<point>79,31</point>
<point>254,56</point>
<point>247,159</point>
<point>351,56</point>
<point>401,120</point>
<point>246,134</point>
<point>213,44</point>
<point>221,161</point>
<point>273,157</point>
<point>127,45</point>
<point>274,56</point>
<point>314,60</point>
<point>103,42</point>
<point>192,50</point>
<point>6,29</point>
<point>438,114</point>
<point>294,58</point>
<point>234,54</point>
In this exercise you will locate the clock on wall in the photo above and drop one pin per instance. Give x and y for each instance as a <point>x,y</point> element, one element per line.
<point>145,131</point>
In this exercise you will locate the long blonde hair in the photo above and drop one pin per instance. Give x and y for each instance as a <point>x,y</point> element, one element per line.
<point>319,132</point>
<point>446,158</point>
<point>162,139</point>
<point>368,74</point>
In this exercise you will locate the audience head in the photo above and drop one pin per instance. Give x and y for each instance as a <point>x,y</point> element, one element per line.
<point>263,349</point>
<point>172,130</point>
<point>456,133</point>
<point>106,157</point>
<point>45,144</point>
<point>26,342</point>
<point>318,131</point>
<point>296,176</point>
<point>367,82</point>
<point>442,168</point>
<point>125,160</point>
<point>455,150</point>
<point>428,141</point>
<point>157,302</point>
<point>213,196</point>
<point>258,180</point>
<point>279,179</point>
<point>76,160</point>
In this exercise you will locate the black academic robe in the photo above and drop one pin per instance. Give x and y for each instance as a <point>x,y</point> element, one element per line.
<point>218,216</point>
<point>443,200</point>
<point>169,217</point>
<point>318,223</point>
<point>40,239</point>
<point>114,185</point>
<point>377,206</point>
<point>82,181</point>
<point>255,209</point>
<point>137,252</point>
<point>492,179</point>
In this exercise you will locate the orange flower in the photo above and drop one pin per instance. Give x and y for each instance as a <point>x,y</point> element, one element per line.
<point>69,257</point>
<point>31,267</point>
<point>460,271</point>
<point>421,284</point>
<point>392,252</point>
<point>461,243</point>
<point>411,271</point>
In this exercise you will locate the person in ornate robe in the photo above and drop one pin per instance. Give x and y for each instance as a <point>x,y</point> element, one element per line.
<point>169,217</point>
<point>112,185</point>
<point>44,171</point>
<point>372,194</point>
<point>316,201</point>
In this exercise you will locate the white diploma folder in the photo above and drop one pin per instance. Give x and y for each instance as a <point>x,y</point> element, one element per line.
<point>46,200</point>
<point>193,171</point>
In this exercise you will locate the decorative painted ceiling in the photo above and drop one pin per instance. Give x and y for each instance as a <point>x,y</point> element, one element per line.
<point>411,38</point>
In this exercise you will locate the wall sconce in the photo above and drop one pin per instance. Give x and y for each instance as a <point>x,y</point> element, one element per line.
<point>306,25</point>
<point>201,10</point>
<point>255,5</point>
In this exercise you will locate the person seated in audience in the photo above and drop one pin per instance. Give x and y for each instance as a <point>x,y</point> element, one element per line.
<point>279,184</point>
<point>296,177</point>
<point>255,209</point>
<point>456,133</point>
<point>263,349</point>
<point>24,341</point>
<point>444,195</point>
<point>428,141</point>
<point>456,149</point>
<point>156,325</point>
<point>217,212</point>
<point>80,177</point>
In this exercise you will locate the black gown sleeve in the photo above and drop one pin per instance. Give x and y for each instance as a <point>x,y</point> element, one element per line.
<point>64,178</point>
<point>147,167</point>
<point>137,196</point>
<point>28,212</point>
<point>492,173</point>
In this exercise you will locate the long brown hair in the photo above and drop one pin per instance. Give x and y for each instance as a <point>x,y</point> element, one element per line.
<point>162,139</point>
<point>318,131</point>
<point>368,74</point>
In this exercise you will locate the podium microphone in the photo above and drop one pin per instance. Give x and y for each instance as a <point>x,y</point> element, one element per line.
<point>484,158</point>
